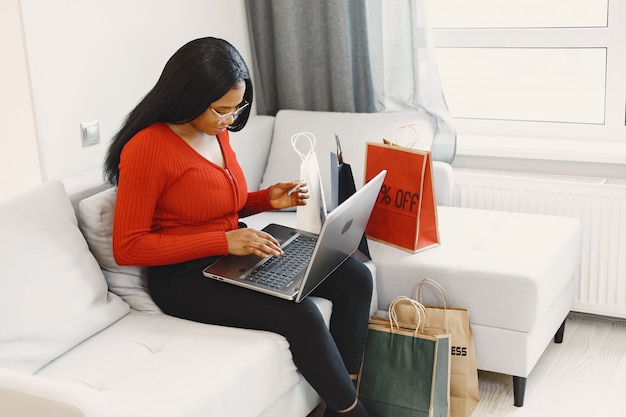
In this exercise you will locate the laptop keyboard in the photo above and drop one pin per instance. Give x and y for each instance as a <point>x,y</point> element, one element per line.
<point>279,270</point>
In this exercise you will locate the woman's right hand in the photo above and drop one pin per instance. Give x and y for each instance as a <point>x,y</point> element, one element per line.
<point>252,242</point>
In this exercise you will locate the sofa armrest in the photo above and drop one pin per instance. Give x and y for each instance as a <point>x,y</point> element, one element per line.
<point>443,175</point>
<point>28,395</point>
<point>252,146</point>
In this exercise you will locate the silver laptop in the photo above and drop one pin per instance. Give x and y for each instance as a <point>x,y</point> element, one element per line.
<point>309,258</point>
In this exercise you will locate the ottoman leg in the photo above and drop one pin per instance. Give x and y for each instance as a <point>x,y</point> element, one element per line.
<point>519,383</point>
<point>558,337</point>
<point>519,390</point>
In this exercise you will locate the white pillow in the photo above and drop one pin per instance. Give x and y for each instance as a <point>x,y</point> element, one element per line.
<point>52,292</point>
<point>95,216</point>
<point>354,131</point>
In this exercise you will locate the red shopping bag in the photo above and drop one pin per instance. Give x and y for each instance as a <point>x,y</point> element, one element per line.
<point>405,213</point>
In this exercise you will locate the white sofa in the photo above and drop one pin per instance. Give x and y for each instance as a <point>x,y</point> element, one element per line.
<point>69,347</point>
<point>80,336</point>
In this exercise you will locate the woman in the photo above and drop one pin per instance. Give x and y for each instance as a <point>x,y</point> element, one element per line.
<point>180,195</point>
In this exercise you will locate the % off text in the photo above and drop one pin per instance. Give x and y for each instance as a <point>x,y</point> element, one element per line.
<point>401,199</point>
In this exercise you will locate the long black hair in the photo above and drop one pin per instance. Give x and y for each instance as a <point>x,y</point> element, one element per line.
<point>198,74</point>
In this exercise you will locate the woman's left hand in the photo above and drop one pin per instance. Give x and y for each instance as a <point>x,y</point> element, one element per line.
<point>288,194</point>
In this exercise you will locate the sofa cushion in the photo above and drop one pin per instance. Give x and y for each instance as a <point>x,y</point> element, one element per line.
<point>53,295</point>
<point>353,129</point>
<point>95,216</point>
<point>161,366</point>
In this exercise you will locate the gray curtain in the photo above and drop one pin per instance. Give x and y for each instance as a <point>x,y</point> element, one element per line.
<point>310,55</point>
<point>348,56</point>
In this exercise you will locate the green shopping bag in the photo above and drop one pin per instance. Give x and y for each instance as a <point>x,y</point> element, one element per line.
<point>405,372</point>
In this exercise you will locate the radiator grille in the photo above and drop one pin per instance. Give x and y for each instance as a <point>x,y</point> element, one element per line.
<point>600,205</point>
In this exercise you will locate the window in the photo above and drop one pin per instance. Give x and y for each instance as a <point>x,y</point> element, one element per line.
<point>535,68</point>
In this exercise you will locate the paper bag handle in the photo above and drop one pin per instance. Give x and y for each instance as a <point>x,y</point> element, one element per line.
<point>310,137</point>
<point>445,297</point>
<point>396,130</point>
<point>420,313</point>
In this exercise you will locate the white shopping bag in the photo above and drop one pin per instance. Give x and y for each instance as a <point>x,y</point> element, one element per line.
<point>310,216</point>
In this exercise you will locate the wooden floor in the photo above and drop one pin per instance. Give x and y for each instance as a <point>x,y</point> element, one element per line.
<point>585,376</point>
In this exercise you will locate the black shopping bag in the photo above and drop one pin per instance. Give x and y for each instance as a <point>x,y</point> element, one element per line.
<point>342,187</point>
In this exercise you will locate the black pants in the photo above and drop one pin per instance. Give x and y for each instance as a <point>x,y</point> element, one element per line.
<point>325,358</point>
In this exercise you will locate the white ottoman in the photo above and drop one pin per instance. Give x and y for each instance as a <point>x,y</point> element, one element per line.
<point>514,272</point>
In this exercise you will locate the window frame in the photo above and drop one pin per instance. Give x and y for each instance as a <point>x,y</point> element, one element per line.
<point>604,143</point>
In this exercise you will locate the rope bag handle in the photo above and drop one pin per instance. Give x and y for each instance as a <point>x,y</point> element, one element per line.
<point>420,313</point>
<point>445,297</point>
<point>396,131</point>
<point>310,137</point>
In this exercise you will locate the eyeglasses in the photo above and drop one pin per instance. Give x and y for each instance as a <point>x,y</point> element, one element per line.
<point>221,117</point>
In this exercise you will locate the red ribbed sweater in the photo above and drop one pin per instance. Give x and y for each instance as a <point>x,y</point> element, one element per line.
<point>173,205</point>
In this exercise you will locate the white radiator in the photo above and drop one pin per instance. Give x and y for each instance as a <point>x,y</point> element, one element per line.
<point>600,205</point>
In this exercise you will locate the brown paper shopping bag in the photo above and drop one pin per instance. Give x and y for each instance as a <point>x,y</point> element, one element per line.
<point>464,395</point>
<point>405,214</point>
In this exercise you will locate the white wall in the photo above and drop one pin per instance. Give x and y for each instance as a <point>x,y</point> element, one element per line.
<point>94,59</point>
<point>19,156</point>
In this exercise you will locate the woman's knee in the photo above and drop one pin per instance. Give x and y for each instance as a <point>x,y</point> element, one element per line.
<point>359,276</point>
<point>307,314</point>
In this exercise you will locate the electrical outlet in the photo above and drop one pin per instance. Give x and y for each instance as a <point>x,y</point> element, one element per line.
<point>90,133</point>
